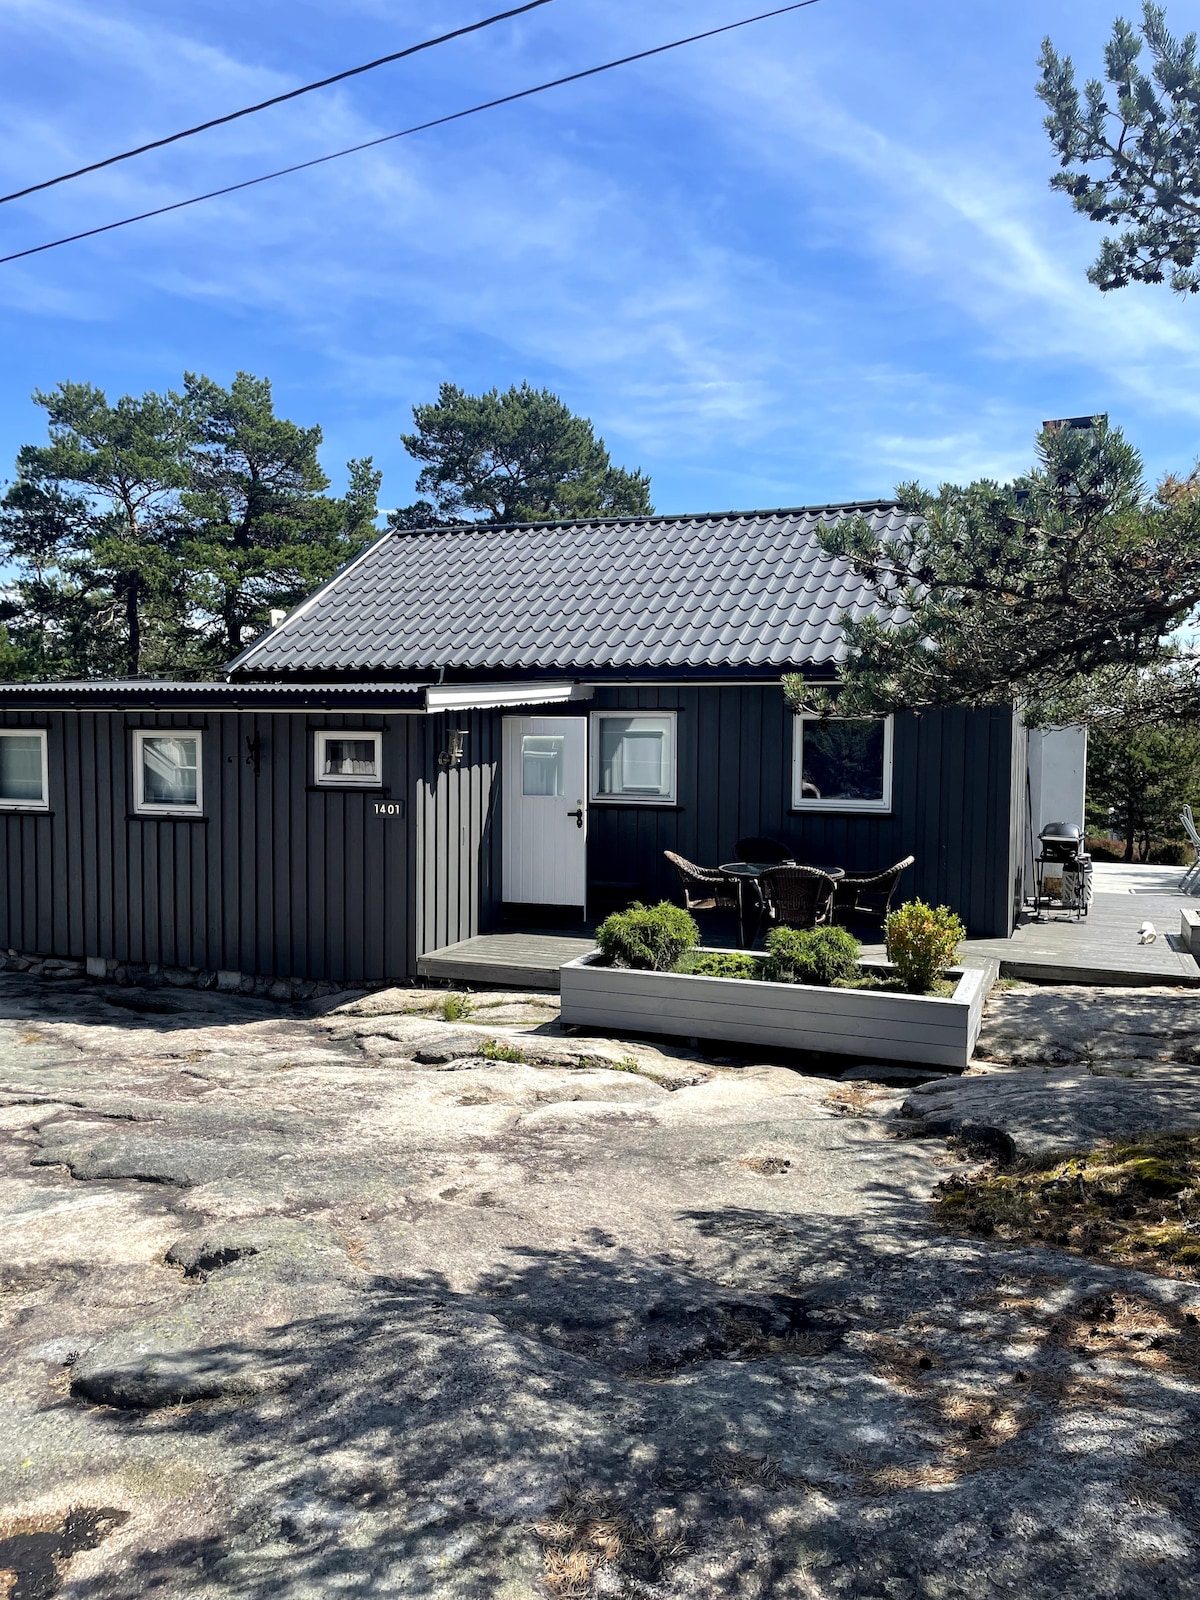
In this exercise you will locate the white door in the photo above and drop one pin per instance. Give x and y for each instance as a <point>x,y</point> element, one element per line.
<point>545,811</point>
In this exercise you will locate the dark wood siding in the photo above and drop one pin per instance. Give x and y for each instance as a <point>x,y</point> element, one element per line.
<point>457,835</point>
<point>953,781</point>
<point>277,878</point>
<point>283,878</point>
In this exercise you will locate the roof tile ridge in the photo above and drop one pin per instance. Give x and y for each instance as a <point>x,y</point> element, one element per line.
<point>760,514</point>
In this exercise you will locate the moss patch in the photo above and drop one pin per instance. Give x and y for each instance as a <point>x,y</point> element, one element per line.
<point>741,964</point>
<point>1133,1203</point>
<point>941,987</point>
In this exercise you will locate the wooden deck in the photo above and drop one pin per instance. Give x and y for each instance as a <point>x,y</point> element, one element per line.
<point>1102,949</point>
<point>507,960</point>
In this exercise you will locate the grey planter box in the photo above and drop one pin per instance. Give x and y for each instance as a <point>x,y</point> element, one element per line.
<point>865,1023</point>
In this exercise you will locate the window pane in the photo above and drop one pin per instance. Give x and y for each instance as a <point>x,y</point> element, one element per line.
<point>349,758</point>
<point>635,755</point>
<point>169,771</point>
<point>21,767</point>
<point>843,760</point>
<point>542,764</point>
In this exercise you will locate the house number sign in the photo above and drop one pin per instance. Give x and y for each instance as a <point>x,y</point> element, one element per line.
<point>389,808</point>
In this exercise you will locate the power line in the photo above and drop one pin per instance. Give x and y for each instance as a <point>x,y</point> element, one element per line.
<point>276,100</point>
<point>421,127</point>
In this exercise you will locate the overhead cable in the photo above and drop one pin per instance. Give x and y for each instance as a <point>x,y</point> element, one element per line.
<point>275,100</point>
<point>404,133</point>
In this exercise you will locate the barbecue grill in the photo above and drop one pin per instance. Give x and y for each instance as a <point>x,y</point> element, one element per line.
<point>1062,849</point>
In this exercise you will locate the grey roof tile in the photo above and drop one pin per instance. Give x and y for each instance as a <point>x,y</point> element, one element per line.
<point>733,589</point>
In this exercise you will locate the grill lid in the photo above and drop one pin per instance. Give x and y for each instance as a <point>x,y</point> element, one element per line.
<point>1060,833</point>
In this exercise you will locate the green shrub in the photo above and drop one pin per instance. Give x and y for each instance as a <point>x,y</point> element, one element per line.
<point>722,964</point>
<point>1171,853</point>
<point>652,938</point>
<point>922,942</point>
<point>455,1006</point>
<point>1105,849</point>
<point>822,956</point>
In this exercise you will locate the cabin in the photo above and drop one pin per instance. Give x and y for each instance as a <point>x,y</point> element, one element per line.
<point>473,727</point>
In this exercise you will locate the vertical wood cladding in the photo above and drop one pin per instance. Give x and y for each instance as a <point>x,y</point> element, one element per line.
<point>953,781</point>
<point>277,877</point>
<point>283,878</point>
<point>457,835</point>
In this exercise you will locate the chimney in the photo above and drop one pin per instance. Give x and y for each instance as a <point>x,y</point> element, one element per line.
<point>1081,424</point>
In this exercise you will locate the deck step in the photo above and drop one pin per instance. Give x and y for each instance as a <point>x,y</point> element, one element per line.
<point>505,960</point>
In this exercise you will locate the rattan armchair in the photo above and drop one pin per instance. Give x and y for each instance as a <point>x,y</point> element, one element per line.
<point>761,851</point>
<point>797,897</point>
<point>867,894</point>
<point>704,888</point>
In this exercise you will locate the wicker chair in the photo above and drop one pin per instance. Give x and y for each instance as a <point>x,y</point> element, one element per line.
<point>797,897</point>
<point>867,894</point>
<point>704,889</point>
<point>763,850</point>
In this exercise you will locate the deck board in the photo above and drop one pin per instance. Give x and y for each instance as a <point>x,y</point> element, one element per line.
<point>1101,949</point>
<point>512,960</point>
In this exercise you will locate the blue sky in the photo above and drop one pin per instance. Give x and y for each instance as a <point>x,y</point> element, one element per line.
<point>800,263</point>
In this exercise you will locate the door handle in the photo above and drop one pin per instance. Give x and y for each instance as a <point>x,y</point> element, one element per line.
<point>578,815</point>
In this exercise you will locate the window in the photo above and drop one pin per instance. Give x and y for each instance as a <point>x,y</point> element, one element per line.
<point>542,764</point>
<point>348,760</point>
<point>166,768</point>
<point>842,764</point>
<point>23,770</point>
<point>633,756</point>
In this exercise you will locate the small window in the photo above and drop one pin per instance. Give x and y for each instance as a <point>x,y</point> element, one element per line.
<point>167,772</point>
<point>842,764</point>
<point>633,756</point>
<point>348,760</point>
<point>23,770</point>
<point>542,764</point>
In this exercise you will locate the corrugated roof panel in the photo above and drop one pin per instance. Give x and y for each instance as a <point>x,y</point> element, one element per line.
<point>728,590</point>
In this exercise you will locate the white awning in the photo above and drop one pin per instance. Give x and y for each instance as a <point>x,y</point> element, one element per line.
<point>481,696</point>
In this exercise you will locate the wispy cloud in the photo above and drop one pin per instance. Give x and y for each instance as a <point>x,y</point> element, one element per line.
<point>771,271</point>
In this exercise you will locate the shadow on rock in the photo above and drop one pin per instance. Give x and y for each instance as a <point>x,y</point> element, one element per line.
<point>844,1407</point>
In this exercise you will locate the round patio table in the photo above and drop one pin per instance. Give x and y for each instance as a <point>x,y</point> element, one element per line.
<point>747,874</point>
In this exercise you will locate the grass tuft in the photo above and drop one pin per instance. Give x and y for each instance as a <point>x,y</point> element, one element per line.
<point>455,1007</point>
<point>587,1537</point>
<point>498,1050</point>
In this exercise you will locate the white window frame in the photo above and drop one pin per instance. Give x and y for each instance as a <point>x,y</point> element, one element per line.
<point>30,805</point>
<point>352,780</point>
<point>151,808</point>
<point>599,798</point>
<point>802,802</point>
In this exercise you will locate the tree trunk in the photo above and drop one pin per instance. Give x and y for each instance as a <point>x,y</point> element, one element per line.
<point>134,624</point>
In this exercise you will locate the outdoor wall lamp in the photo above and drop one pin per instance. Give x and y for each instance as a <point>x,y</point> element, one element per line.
<point>453,754</point>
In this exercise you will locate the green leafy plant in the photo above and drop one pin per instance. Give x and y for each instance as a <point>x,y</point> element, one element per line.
<point>821,956</point>
<point>651,938</point>
<point>456,1006</point>
<point>498,1050</point>
<point>722,964</point>
<point>922,941</point>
